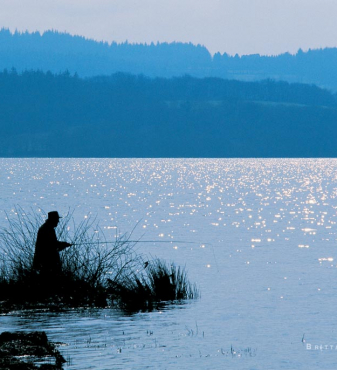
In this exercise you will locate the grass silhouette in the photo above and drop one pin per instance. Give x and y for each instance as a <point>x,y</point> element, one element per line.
<point>95,272</point>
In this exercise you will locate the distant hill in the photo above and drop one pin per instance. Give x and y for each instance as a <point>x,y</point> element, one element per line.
<point>47,115</point>
<point>57,52</point>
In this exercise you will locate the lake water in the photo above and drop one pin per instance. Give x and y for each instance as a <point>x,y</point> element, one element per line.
<point>262,251</point>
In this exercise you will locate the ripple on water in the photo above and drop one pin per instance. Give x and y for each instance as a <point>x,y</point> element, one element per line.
<point>264,253</point>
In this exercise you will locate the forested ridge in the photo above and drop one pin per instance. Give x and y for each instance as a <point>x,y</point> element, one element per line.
<point>123,115</point>
<point>56,52</point>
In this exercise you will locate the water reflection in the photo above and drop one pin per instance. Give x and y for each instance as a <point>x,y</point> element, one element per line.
<point>94,338</point>
<point>257,222</point>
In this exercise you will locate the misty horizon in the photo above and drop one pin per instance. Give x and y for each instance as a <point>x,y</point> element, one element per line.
<point>241,27</point>
<point>157,42</point>
<point>60,51</point>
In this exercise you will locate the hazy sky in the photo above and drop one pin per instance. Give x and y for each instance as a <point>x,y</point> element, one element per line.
<point>232,26</point>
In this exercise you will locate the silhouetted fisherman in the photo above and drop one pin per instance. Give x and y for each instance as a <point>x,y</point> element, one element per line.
<point>47,258</point>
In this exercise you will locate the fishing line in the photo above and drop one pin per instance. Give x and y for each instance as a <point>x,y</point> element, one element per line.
<point>216,263</point>
<point>154,241</point>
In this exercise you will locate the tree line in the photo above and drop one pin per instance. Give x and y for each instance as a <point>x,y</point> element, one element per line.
<point>56,52</point>
<point>123,115</point>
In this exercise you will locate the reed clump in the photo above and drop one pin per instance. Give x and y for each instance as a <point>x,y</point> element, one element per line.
<point>95,272</point>
<point>158,282</point>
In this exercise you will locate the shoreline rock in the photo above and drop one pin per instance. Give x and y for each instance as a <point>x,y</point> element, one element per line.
<point>29,351</point>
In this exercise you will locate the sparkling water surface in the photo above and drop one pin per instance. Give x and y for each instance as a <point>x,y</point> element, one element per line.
<point>261,248</point>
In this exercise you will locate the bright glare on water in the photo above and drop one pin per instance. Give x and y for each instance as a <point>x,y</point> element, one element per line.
<point>262,250</point>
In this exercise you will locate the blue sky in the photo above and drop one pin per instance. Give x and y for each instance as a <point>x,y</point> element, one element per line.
<point>232,26</point>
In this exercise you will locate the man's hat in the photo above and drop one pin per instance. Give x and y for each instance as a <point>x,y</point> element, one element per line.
<point>53,215</point>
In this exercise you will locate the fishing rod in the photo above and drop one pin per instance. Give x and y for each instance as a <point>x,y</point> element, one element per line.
<point>141,241</point>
